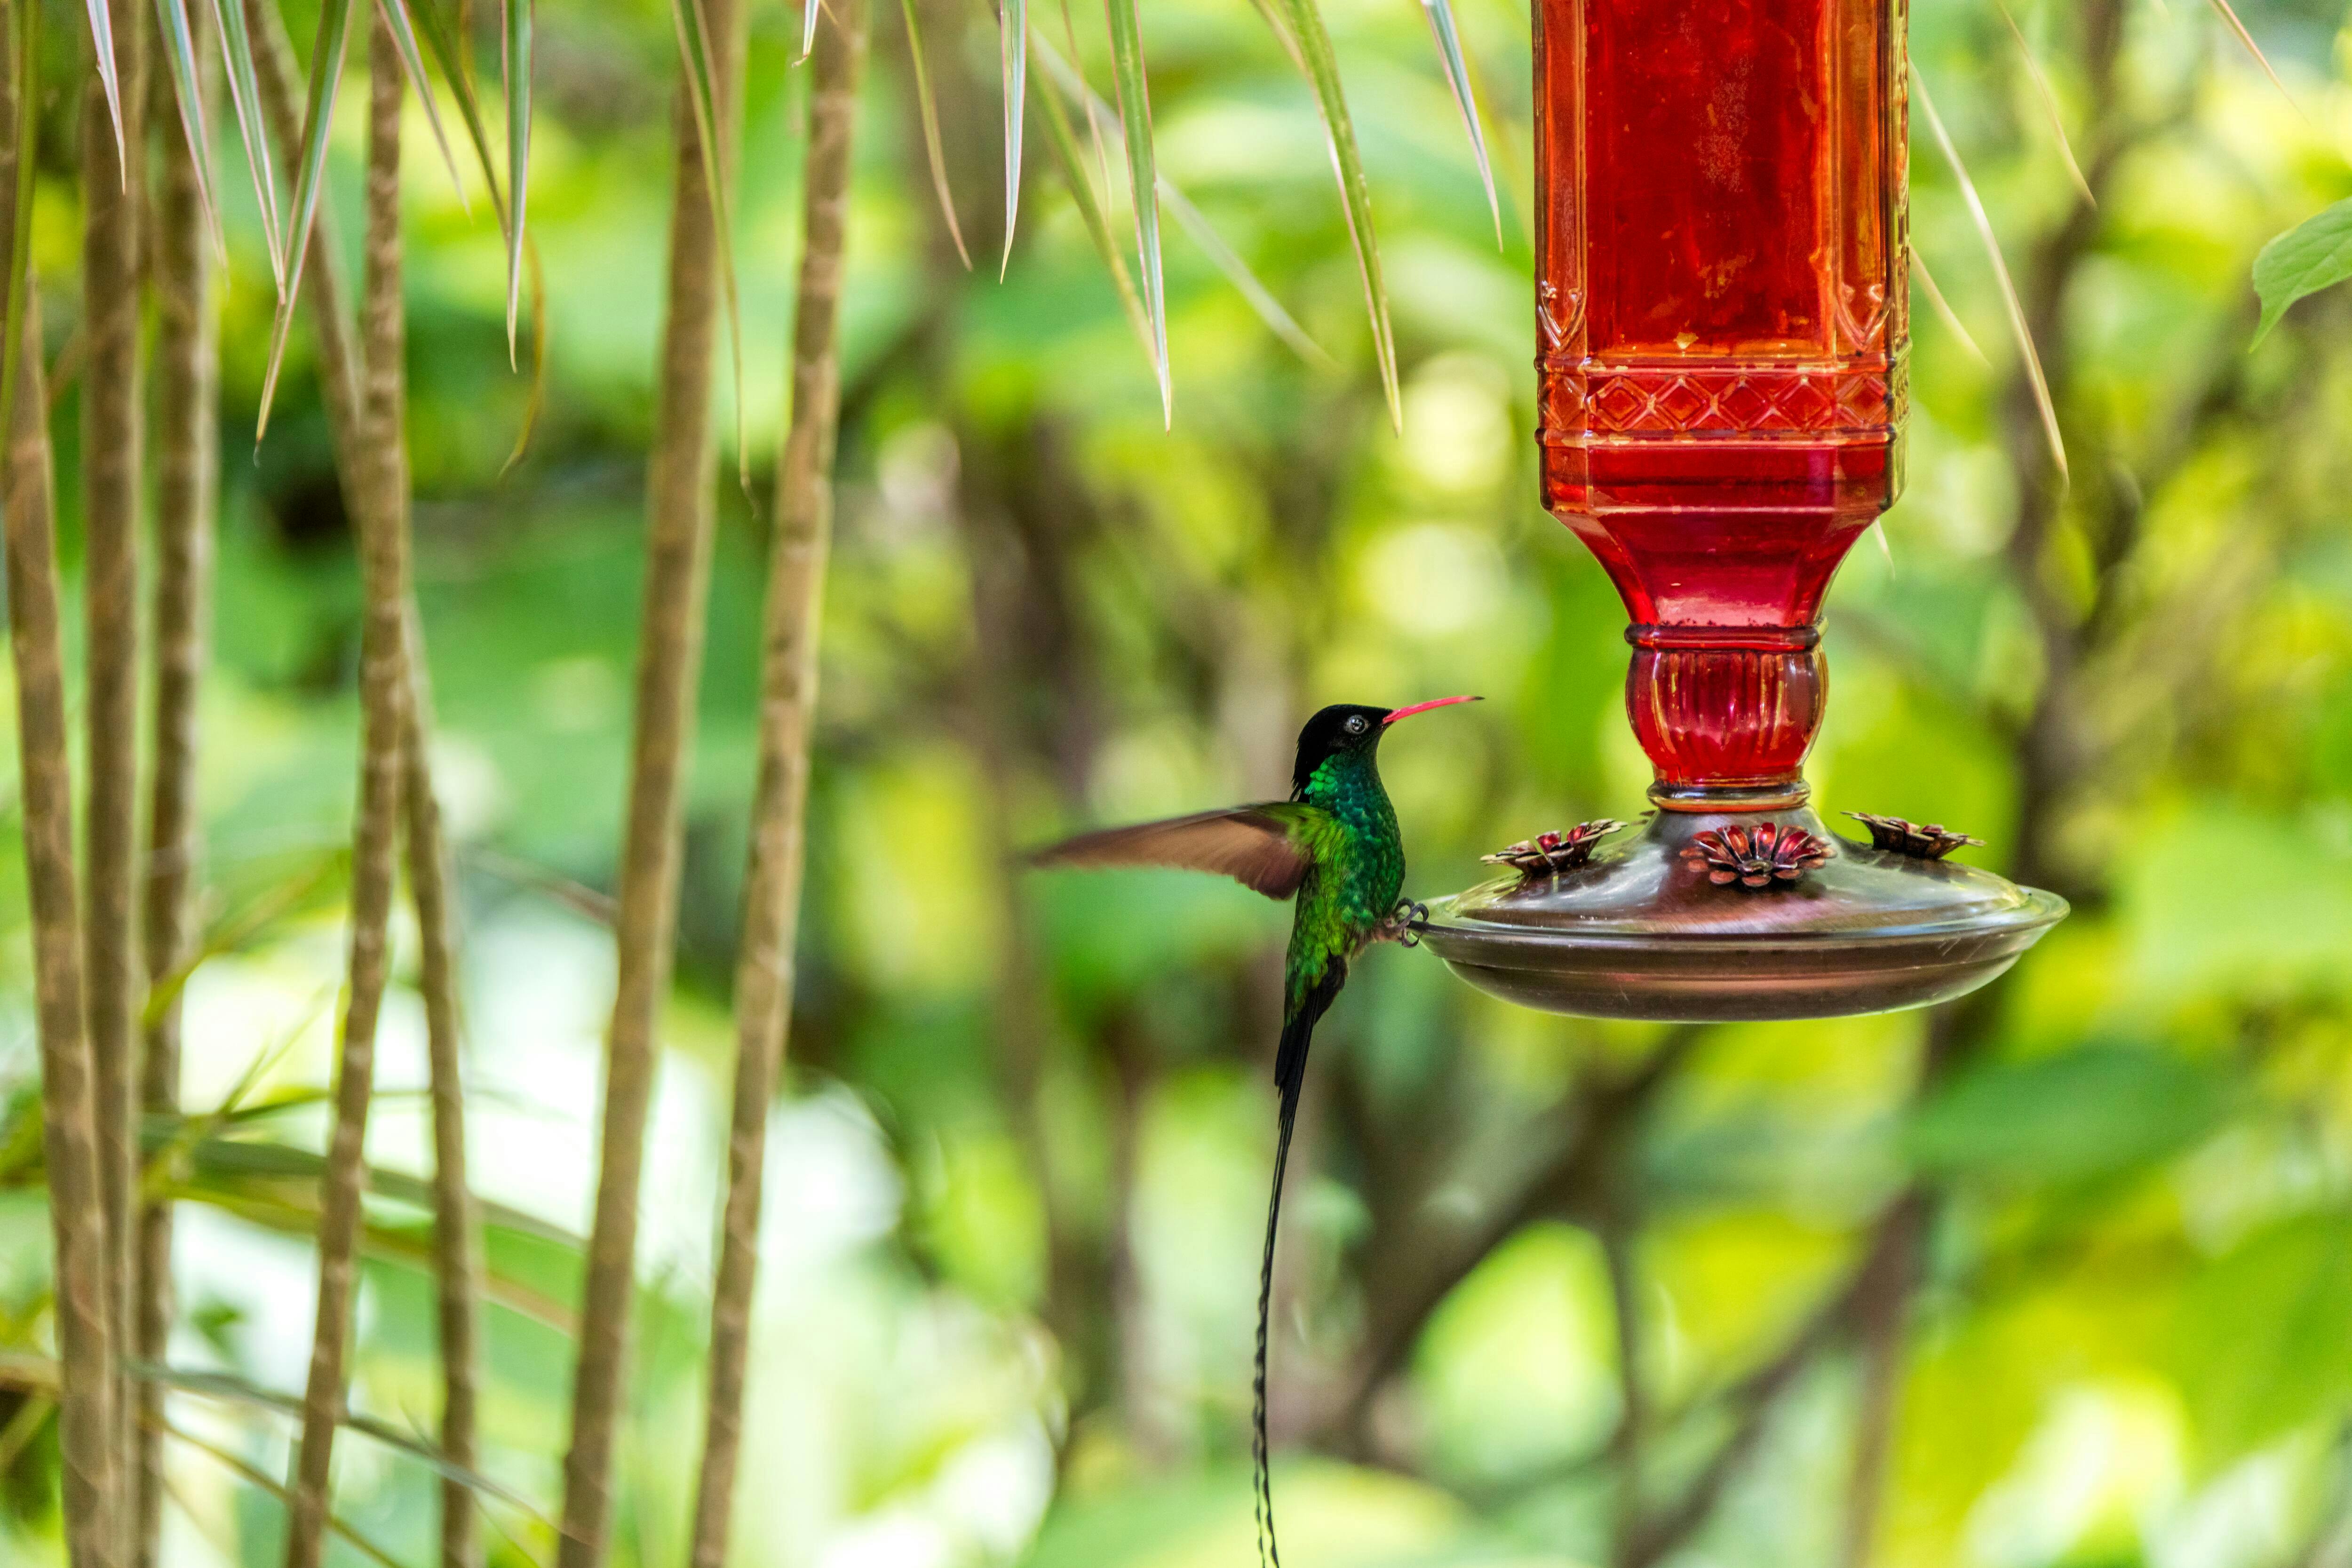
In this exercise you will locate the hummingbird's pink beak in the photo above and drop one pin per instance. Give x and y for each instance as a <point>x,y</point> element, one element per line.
<point>1425,707</point>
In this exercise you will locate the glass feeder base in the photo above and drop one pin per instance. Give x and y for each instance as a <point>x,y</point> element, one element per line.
<point>1640,932</point>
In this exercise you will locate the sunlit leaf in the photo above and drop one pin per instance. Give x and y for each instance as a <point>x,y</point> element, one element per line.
<point>1013,34</point>
<point>2314,254</point>
<point>180,51</point>
<point>929,110</point>
<point>412,64</point>
<point>1304,25</point>
<point>2016,308</point>
<point>326,75</point>
<point>1457,80</point>
<point>1134,96</point>
<point>245,97</point>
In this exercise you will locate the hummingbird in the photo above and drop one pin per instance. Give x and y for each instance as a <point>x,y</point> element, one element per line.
<point>1334,846</point>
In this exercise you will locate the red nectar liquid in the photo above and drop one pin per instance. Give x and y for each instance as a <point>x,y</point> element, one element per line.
<point>1722,324</point>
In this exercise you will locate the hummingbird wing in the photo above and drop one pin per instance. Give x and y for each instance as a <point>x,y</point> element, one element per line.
<point>1257,846</point>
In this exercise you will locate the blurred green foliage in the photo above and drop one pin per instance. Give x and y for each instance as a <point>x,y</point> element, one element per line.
<point>1553,1291</point>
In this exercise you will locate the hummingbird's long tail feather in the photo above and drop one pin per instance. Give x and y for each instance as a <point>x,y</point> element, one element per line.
<point>1269,1555</point>
<point>1289,1078</point>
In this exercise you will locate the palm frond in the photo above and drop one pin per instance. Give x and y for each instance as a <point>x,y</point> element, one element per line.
<point>245,97</point>
<point>309,182</point>
<point>1302,27</point>
<point>2015,307</point>
<point>1458,81</point>
<point>929,110</point>
<point>1134,94</point>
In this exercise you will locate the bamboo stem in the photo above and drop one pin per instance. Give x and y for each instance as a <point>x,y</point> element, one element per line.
<point>457,1231</point>
<point>764,971</point>
<point>382,519</point>
<point>187,482</point>
<point>456,1237</point>
<point>677,571</point>
<point>86,1424</point>
<point>111,440</point>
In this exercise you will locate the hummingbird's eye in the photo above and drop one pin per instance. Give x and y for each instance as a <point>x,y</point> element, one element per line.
<point>1356,724</point>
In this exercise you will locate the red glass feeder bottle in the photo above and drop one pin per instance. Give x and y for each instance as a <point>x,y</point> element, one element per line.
<point>1722,325</point>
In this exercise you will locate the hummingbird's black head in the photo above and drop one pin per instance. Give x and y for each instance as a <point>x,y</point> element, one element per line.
<point>1351,730</point>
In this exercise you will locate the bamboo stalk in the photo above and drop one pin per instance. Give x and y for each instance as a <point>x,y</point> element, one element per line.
<point>677,571</point>
<point>86,1424</point>
<point>111,441</point>
<point>382,518</point>
<point>457,1232</point>
<point>764,971</point>
<point>186,496</point>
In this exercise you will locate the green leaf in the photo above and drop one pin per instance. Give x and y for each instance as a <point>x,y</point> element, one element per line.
<point>2314,254</point>
<point>1281,322</point>
<point>254,1477</point>
<point>245,97</point>
<point>180,49</point>
<point>1013,34</point>
<point>1457,79</point>
<point>1991,242</point>
<point>1064,143</point>
<point>929,108</point>
<point>1188,218</point>
<point>2246,42</point>
<point>326,76</point>
<point>1303,31</point>
<point>454,71</point>
<point>2073,1117</point>
<point>230,1388</point>
<point>517,61</point>
<point>412,65</point>
<point>2260,1347</point>
<point>101,40</point>
<point>446,54</point>
<point>1143,185</point>
<point>535,402</point>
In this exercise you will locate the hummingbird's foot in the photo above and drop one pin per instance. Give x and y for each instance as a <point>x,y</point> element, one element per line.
<point>1405,923</point>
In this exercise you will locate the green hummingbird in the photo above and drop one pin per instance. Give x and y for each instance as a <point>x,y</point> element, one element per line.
<point>1334,846</point>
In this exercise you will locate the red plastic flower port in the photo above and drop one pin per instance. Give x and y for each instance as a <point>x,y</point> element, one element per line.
<point>1761,857</point>
<point>1549,852</point>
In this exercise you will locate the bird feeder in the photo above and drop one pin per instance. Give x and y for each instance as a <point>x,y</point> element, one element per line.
<point>1722,327</point>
